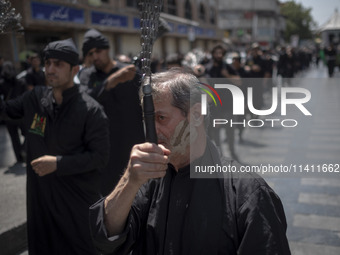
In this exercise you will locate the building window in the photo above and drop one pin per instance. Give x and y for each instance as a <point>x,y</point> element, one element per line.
<point>132,3</point>
<point>202,12</point>
<point>188,11</point>
<point>172,8</point>
<point>212,15</point>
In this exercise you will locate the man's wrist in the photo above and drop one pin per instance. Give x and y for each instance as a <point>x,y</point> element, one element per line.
<point>129,183</point>
<point>111,82</point>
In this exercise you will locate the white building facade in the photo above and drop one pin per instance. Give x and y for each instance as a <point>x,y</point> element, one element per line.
<point>247,21</point>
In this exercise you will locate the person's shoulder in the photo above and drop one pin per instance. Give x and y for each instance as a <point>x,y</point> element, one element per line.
<point>86,74</point>
<point>29,71</point>
<point>38,94</point>
<point>248,181</point>
<point>89,101</point>
<point>89,105</point>
<point>86,97</point>
<point>41,90</point>
<point>240,178</point>
<point>241,186</point>
<point>209,65</point>
<point>86,71</point>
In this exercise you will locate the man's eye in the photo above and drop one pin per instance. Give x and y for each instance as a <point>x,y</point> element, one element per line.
<point>161,118</point>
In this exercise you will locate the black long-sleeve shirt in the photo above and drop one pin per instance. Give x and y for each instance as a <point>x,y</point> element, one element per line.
<point>181,215</point>
<point>122,107</point>
<point>77,133</point>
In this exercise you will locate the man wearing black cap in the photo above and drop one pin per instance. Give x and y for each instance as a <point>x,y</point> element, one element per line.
<point>67,145</point>
<point>115,85</point>
<point>35,75</point>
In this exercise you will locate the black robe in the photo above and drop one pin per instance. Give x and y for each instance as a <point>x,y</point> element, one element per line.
<point>57,204</point>
<point>122,107</point>
<point>178,215</point>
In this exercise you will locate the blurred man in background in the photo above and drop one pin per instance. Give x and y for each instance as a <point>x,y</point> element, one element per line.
<point>115,85</point>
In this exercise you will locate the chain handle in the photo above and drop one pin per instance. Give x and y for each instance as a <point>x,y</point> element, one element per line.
<point>150,11</point>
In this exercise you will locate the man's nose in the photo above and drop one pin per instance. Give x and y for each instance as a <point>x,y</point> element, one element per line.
<point>49,69</point>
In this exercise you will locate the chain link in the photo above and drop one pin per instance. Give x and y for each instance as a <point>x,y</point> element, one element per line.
<point>150,10</point>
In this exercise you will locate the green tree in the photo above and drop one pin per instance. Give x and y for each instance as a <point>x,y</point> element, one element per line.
<point>299,20</point>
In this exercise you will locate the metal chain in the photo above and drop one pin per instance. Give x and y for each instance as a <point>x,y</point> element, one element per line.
<point>9,21</point>
<point>150,10</point>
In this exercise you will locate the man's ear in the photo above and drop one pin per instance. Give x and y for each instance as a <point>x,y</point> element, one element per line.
<point>196,117</point>
<point>75,70</point>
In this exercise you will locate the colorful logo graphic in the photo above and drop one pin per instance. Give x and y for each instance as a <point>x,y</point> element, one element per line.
<point>204,97</point>
<point>287,96</point>
<point>38,125</point>
<point>239,99</point>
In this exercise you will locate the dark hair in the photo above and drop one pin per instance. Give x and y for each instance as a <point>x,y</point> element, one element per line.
<point>218,47</point>
<point>8,70</point>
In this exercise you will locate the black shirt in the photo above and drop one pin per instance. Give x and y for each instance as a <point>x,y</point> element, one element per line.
<point>122,107</point>
<point>240,72</point>
<point>179,215</point>
<point>57,204</point>
<point>179,199</point>
<point>214,70</point>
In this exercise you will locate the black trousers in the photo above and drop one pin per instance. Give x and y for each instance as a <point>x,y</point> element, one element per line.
<point>15,128</point>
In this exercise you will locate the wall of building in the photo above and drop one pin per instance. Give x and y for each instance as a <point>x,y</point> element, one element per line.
<point>261,5</point>
<point>247,21</point>
<point>49,20</point>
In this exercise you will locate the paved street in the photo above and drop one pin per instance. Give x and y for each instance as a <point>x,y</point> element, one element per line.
<point>311,201</point>
<point>12,198</point>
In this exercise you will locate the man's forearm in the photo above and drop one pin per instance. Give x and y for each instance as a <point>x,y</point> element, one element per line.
<point>147,161</point>
<point>110,83</point>
<point>118,205</point>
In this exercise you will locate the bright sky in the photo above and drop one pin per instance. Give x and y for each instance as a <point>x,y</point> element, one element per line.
<point>322,10</point>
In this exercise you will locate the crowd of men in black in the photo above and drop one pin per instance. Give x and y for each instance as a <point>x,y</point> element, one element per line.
<point>252,66</point>
<point>256,63</point>
<point>73,130</point>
